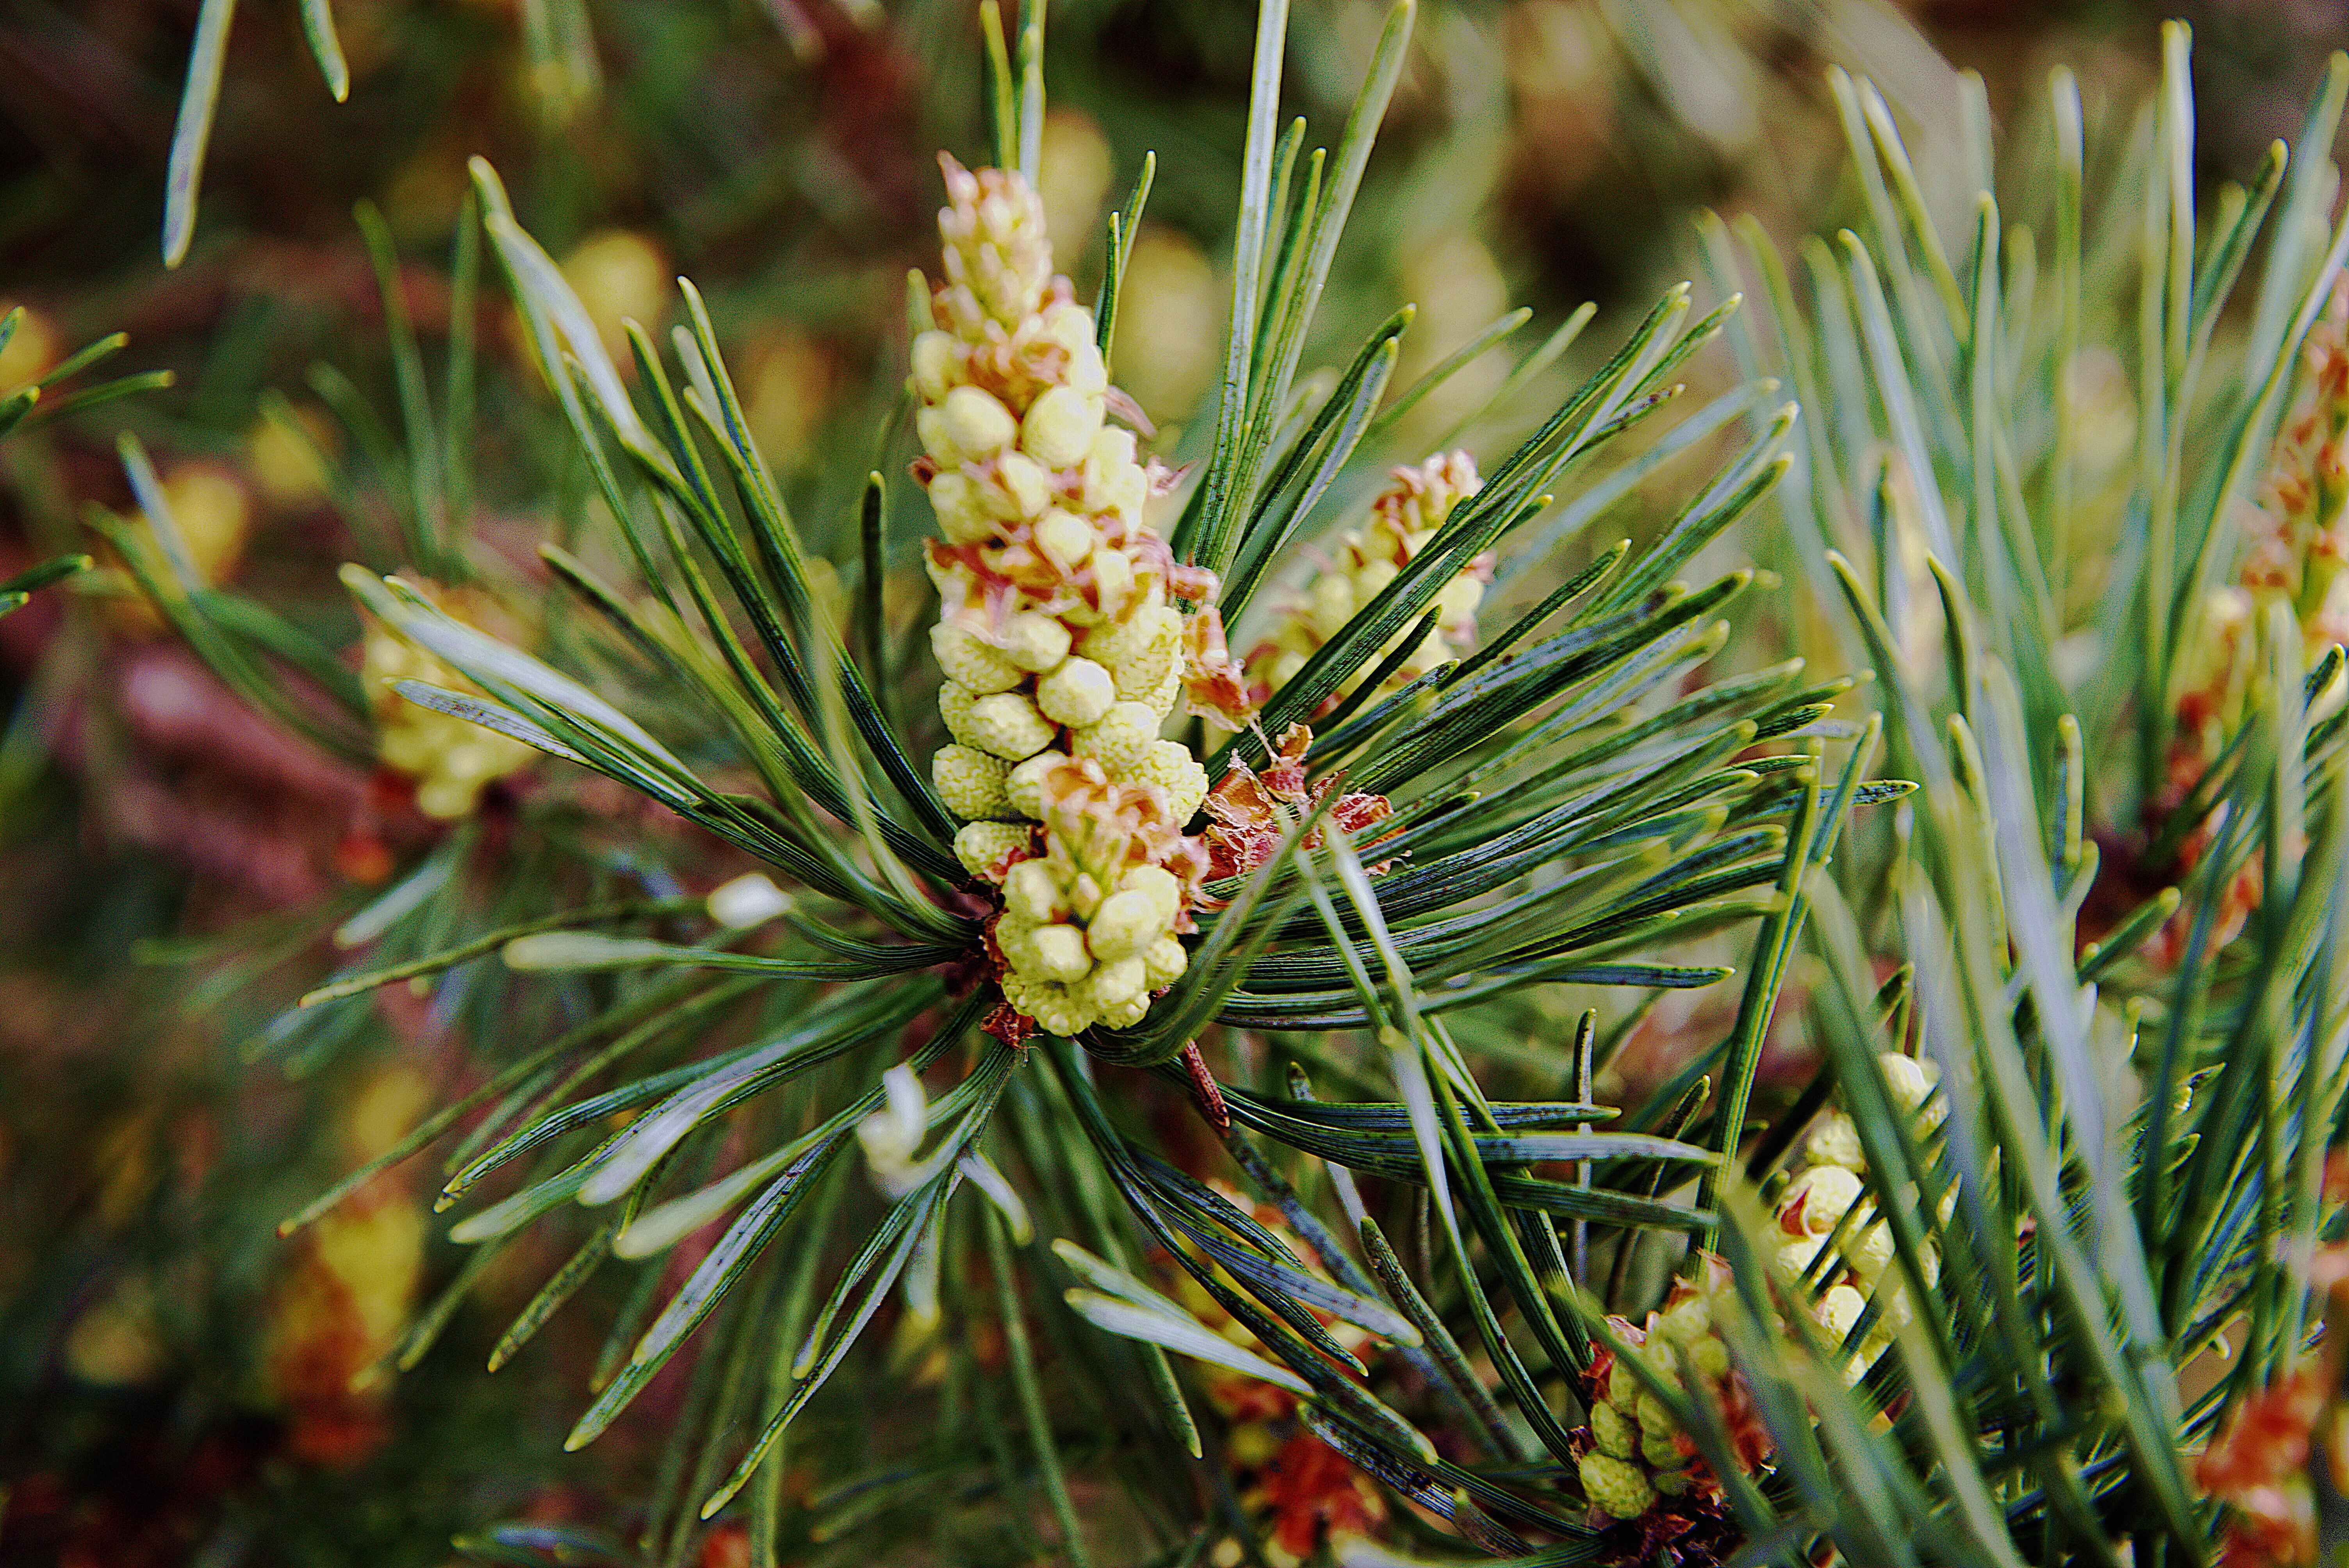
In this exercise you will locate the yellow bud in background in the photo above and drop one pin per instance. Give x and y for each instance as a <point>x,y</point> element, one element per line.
<point>215,520</point>
<point>31,352</point>
<point>1457,600</point>
<point>786,385</point>
<point>117,1341</point>
<point>212,519</point>
<point>448,760</point>
<point>1073,176</point>
<point>1169,311</point>
<point>287,466</point>
<point>620,275</point>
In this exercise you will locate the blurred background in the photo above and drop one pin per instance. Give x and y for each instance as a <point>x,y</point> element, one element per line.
<point>175,1383</point>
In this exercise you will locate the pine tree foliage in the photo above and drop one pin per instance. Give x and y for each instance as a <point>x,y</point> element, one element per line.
<point>39,402</point>
<point>2126,1187</point>
<point>2114,1164</point>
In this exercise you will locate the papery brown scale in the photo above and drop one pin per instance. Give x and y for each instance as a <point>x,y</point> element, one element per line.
<point>1215,685</point>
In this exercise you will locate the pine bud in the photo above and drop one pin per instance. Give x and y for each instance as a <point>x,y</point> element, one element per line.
<point>962,514</point>
<point>1911,1083</point>
<point>1032,892</point>
<point>1614,1435</point>
<point>1836,1142</point>
<point>939,362</point>
<point>1116,983</point>
<point>1170,765</point>
<point>1023,489</point>
<point>1026,783</point>
<point>1825,1191</point>
<point>1112,576</point>
<point>1125,925</point>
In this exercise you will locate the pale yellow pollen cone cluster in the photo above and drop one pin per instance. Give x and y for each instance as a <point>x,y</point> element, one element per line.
<point>1404,519</point>
<point>1830,1185</point>
<point>1061,650</point>
<point>1638,1454</point>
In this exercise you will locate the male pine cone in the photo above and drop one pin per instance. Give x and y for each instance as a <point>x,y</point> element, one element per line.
<point>1061,652</point>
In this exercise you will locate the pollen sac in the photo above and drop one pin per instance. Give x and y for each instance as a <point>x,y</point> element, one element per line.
<point>970,782</point>
<point>1078,693</point>
<point>970,663</point>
